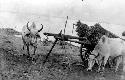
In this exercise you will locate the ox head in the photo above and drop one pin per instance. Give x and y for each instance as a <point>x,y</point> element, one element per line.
<point>92,59</point>
<point>34,35</point>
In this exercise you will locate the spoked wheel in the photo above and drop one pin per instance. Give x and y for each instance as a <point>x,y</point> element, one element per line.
<point>82,52</point>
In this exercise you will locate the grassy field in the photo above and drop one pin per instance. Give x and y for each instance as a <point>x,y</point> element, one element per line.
<point>63,64</point>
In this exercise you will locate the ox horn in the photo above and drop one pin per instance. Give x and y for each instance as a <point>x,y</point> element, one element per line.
<point>27,26</point>
<point>41,28</point>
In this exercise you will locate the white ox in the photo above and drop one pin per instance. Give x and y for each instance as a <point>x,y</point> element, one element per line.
<point>107,47</point>
<point>30,36</point>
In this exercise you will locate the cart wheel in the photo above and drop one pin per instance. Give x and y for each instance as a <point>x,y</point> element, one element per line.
<point>82,50</point>
<point>83,56</point>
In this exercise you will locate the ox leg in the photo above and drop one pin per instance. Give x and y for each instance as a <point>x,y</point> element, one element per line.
<point>118,61</point>
<point>34,50</point>
<point>33,56</point>
<point>28,50</point>
<point>110,62</point>
<point>100,64</point>
<point>97,61</point>
<point>105,61</point>
<point>23,43</point>
<point>23,47</point>
<point>123,73</point>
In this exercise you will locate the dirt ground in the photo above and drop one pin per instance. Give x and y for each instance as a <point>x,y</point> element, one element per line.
<point>63,64</point>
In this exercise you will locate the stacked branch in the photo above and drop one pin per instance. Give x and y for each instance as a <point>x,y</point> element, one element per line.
<point>92,33</point>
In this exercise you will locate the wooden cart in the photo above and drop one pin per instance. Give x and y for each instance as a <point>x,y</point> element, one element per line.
<point>87,44</point>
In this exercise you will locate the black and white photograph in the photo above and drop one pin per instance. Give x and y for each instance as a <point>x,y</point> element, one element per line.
<point>62,40</point>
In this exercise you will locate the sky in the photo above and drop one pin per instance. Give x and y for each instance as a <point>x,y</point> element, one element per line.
<point>52,14</point>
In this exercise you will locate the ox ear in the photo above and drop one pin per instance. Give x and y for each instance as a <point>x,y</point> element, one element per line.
<point>103,39</point>
<point>41,28</point>
<point>27,26</point>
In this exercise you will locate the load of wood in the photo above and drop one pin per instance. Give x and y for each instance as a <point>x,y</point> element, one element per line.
<point>92,33</point>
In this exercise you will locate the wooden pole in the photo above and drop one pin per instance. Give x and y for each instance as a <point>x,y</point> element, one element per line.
<point>50,51</point>
<point>81,52</point>
<point>66,36</point>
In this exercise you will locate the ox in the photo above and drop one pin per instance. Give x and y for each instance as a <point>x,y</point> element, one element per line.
<point>30,36</point>
<point>108,47</point>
